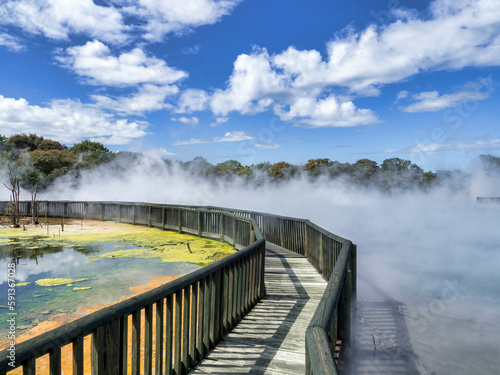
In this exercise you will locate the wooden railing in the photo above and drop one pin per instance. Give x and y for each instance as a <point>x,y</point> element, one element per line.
<point>333,257</point>
<point>189,315</point>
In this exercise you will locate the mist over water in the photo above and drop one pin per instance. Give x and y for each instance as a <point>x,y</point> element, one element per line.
<point>415,246</point>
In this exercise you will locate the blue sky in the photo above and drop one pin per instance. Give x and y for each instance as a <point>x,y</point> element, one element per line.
<point>257,80</point>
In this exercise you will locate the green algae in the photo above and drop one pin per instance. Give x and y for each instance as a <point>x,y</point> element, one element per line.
<point>82,288</point>
<point>22,284</point>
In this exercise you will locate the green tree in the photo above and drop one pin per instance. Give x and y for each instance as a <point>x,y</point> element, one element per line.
<point>364,171</point>
<point>48,144</point>
<point>282,171</point>
<point>91,154</point>
<point>88,146</point>
<point>228,168</point>
<point>53,163</point>
<point>316,167</point>
<point>25,141</point>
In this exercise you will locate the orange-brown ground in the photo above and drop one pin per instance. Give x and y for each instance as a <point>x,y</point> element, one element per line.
<point>42,364</point>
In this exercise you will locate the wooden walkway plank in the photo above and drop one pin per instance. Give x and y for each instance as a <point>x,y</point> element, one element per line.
<point>271,338</point>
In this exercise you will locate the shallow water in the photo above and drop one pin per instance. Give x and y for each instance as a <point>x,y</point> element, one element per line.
<point>106,279</point>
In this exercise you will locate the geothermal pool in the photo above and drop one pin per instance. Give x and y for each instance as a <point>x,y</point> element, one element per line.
<point>71,271</point>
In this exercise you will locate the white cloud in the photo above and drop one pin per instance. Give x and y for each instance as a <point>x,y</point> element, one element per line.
<point>10,42</point>
<point>431,101</point>
<point>148,98</point>
<point>326,113</point>
<point>95,62</point>
<point>192,100</point>
<point>156,153</point>
<point>186,120</point>
<point>454,36</point>
<point>219,121</point>
<point>431,147</point>
<point>191,50</point>
<point>235,136</point>
<point>178,16</point>
<point>57,19</point>
<point>116,22</point>
<point>267,146</point>
<point>451,35</point>
<point>66,121</point>
<point>256,86</point>
<point>252,86</point>
<point>401,95</point>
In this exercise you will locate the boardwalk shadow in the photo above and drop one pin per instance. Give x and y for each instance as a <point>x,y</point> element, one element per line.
<point>270,340</point>
<point>382,342</point>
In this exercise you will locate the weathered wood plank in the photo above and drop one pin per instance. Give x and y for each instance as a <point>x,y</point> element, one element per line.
<point>270,339</point>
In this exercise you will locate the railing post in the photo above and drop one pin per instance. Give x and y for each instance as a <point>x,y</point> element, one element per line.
<point>150,209</point>
<point>222,225</point>
<point>105,353</point>
<point>163,218</point>
<point>305,239</point>
<point>200,224</point>
<point>180,220</point>
<point>103,205</point>
<point>234,232</point>
<point>282,235</point>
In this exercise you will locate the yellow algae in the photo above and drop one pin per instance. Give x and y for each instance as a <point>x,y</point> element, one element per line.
<point>58,281</point>
<point>23,284</point>
<point>82,288</point>
<point>149,242</point>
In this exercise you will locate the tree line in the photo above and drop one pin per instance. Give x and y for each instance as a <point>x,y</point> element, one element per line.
<point>37,162</point>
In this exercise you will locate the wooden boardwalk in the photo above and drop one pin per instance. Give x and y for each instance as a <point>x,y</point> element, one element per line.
<point>270,339</point>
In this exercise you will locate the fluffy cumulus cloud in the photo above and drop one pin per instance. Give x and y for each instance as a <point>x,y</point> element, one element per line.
<point>252,86</point>
<point>115,22</point>
<point>66,121</point>
<point>57,19</point>
<point>304,87</point>
<point>95,62</point>
<point>192,100</point>
<point>234,136</point>
<point>258,84</point>
<point>326,112</point>
<point>178,16</point>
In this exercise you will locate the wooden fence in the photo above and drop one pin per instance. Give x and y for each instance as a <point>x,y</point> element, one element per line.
<point>332,256</point>
<point>189,315</point>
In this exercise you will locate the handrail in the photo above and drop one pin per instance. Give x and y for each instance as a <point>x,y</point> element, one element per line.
<point>334,257</point>
<point>191,314</point>
<point>323,330</point>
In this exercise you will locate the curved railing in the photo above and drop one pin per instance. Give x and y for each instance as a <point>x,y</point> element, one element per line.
<point>189,315</point>
<point>333,257</point>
